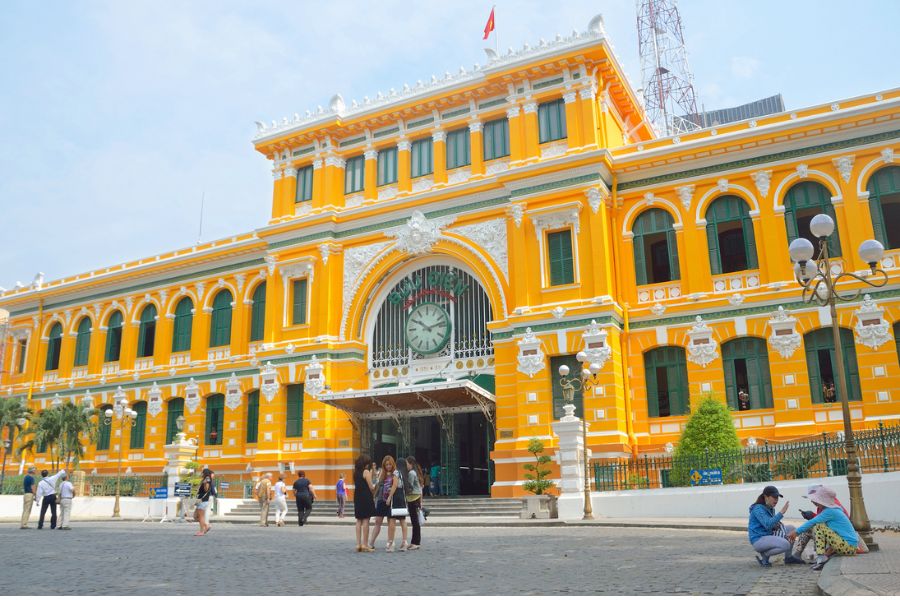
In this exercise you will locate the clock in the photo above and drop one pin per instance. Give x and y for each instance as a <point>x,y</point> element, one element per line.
<point>427,328</point>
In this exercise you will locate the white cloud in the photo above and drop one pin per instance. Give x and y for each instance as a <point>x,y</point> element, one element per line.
<point>744,67</point>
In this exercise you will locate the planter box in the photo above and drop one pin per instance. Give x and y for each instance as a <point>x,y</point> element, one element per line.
<point>539,507</point>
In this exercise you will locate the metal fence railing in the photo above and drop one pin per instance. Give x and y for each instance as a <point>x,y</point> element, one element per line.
<point>878,450</point>
<point>136,485</point>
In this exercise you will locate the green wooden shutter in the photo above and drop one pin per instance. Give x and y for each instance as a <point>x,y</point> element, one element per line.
<point>304,184</point>
<point>258,313</point>
<point>53,348</point>
<point>387,166</point>
<point>140,426</point>
<point>674,267</point>
<point>552,121</point>
<point>812,341</point>
<point>113,337</point>
<point>354,174</point>
<point>23,353</point>
<point>294,421</point>
<point>650,359</point>
<point>556,389</point>
<point>215,417</point>
<point>83,342</point>
<point>220,324</point>
<point>298,313</point>
<point>712,240</point>
<point>672,359</point>
<point>884,185</point>
<point>103,429</point>
<point>878,220</point>
<point>496,139</point>
<point>562,264</point>
<point>749,241</point>
<point>183,326</point>
<point>731,391</point>
<point>253,417</point>
<point>147,333</point>
<point>421,162</point>
<point>174,410</point>
<point>458,148</point>
<point>851,368</point>
<point>640,258</point>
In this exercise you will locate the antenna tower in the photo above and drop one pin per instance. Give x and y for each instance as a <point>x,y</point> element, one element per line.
<point>669,97</point>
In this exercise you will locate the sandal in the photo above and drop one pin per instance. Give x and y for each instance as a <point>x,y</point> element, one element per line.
<point>389,547</point>
<point>404,547</point>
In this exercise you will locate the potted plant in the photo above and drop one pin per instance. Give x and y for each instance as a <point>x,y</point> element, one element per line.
<point>541,505</point>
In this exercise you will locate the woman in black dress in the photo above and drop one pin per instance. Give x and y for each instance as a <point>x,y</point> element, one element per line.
<point>363,503</point>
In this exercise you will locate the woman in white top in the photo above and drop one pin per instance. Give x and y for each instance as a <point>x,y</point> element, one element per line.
<point>280,502</point>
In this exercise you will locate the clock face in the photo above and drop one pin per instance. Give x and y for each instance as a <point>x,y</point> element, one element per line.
<point>428,328</point>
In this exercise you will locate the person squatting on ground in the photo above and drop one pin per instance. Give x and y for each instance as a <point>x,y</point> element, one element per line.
<point>341,493</point>
<point>280,501</point>
<point>414,501</point>
<point>832,530</point>
<point>204,494</point>
<point>363,502</point>
<point>66,495</point>
<point>263,491</point>
<point>46,496</point>
<point>27,497</point>
<point>304,495</point>
<point>768,535</point>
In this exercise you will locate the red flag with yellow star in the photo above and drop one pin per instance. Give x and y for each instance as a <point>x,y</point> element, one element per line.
<point>490,25</point>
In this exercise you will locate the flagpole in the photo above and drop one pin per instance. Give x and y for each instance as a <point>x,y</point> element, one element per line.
<point>496,33</point>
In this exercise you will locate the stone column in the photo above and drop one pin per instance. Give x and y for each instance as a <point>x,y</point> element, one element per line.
<point>570,457</point>
<point>180,452</point>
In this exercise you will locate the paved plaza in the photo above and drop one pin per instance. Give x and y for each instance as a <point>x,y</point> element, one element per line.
<point>133,558</point>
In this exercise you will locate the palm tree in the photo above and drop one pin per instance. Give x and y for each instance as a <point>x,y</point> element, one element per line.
<point>44,432</point>
<point>13,414</point>
<point>78,425</point>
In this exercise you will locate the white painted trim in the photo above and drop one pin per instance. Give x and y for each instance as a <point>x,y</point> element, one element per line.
<point>862,178</point>
<point>642,205</point>
<point>835,188</point>
<point>716,191</point>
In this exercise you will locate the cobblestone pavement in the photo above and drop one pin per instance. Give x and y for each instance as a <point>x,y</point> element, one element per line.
<point>133,558</point>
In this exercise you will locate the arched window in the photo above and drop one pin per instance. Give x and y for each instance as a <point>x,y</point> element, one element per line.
<point>220,324</point>
<point>258,313</point>
<point>804,201</point>
<point>83,342</point>
<point>113,337</point>
<point>215,417</point>
<point>253,417</point>
<point>184,318</point>
<point>140,425</point>
<point>667,382</point>
<point>820,361</point>
<point>174,410</point>
<point>103,429</point>
<point>748,384</point>
<point>884,204</point>
<point>54,345</point>
<point>655,247</point>
<point>729,234</point>
<point>147,334</point>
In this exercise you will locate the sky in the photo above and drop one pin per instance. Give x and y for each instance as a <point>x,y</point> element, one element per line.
<point>117,118</point>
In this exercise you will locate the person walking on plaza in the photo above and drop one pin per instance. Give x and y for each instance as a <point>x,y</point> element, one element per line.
<point>363,503</point>
<point>204,496</point>
<point>414,501</point>
<point>263,491</point>
<point>46,497</point>
<point>832,529</point>
<point>341,494</point>
<point>768,535</point>
<point>66,495</point>
<point>304,495</point>
<point>280,501</point>
<point>28,497</point>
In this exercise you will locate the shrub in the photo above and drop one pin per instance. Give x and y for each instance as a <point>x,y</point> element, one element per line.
<point>709,440</point>
<point>796,466</point>
<point>537,473</point>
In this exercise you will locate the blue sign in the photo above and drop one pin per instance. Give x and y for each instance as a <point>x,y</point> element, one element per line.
<point>224,485</point>
<point>183,490</point>
<point>159,493</point>
<point>706,477</point>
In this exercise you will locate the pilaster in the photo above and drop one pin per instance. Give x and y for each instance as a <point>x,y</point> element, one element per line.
<point>439,154</point>
<point>370,186</point>
<point>404,182</point>
<point>574,125</point>
<point>530,133</point>
<point>517,150</point>
<point>288,191</point>
<point>587,105</point>
<point>277,192</point>
<point>476,147</point>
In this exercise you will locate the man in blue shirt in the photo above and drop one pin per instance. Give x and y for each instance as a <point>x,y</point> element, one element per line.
<point>28,498</point>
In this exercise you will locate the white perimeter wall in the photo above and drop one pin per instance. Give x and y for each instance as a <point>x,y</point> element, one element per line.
<point>880,490</point>
<point>101,507</point>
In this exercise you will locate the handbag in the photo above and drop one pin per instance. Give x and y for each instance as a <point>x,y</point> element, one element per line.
<point>398,502</point>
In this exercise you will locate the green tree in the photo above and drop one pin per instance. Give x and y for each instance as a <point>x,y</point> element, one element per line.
<point>43,433</point>
<point>708,436</point>
<point>537,473</point>
<point>78,427</point>
<point>12,410</point>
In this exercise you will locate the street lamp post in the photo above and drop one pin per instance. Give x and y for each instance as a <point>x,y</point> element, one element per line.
<point>819,283</point>
<point>121,413</point>
<point>587,380</point>
<point>7,446</point>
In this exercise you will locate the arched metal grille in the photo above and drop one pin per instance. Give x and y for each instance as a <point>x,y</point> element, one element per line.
<point>461,296</point>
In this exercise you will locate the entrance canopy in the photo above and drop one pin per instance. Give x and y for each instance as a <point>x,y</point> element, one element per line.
<point>420,400</point>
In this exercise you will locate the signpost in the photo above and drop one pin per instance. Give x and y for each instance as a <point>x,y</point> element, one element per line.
<point>182,489</point>
<point>705,477</point>
<point>158,493</point>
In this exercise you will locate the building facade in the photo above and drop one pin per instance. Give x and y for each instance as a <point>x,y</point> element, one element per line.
<point>436,253</point>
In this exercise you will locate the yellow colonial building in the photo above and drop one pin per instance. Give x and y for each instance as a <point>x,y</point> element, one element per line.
<point>435,253</point>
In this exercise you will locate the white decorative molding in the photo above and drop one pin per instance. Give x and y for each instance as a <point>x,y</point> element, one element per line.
<point>491,237</point>
<point>475,126</point>
<point>512,112</point>
<point>419,234</point>
<point>531,357</point>
<point>268,378</point>
<point>803,171</point>
<point>327,250</point>
<point>387,192</point>
<point>154,400</point>
<point>557,217</point>
<point>438,135</point>
<point>554,149</point>
<point>658,309</point>
<point>335,161</point>
<point>516,212</point>
<point>722,185</point>
<point>844,165</point>
<point>290,172</point>
<point>404,145</point>
<point>270,265</point>
<point>354,200</point>
<point>420,184</point>
<point>762,179</point>
<point>871,328</point>
<point>371,154</point>
<point>314,383</point>
<point>887,155</point>
<point>276,174</point>
<point>595,197</point>
<point>192,395</point>
<point>233,392</point>
<point>358,261</point>
<point>570,97</point>
<point>497,166</point>
<point>530,107</point>
<point>595,347</point>
<point>736,299</point>
<point>784,337</point>
<point>702,348</point>
<point>558,313</point>
<point>459,175</point>
<point>686,195</point>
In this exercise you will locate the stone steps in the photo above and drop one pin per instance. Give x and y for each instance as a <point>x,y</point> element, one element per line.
<point>442,507</point>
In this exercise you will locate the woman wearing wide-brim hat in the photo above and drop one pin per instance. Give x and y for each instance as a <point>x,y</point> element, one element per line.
<point>833,531</point>
<point>768,535</point>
